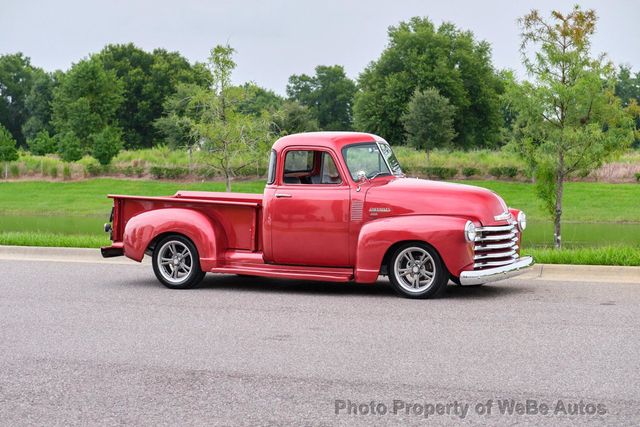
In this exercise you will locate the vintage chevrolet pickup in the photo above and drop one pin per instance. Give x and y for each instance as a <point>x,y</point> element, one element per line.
<point>336,207</point>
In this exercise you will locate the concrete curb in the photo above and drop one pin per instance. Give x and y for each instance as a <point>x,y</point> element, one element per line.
<point>551,272</point>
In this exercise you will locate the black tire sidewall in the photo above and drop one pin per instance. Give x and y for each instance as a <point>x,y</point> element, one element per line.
<point>195,276</point>
<point>441,275</point>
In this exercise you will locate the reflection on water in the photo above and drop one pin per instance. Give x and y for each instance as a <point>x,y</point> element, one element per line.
<point>538,233</point>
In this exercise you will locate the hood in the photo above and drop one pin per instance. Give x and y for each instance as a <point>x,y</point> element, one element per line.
<point>406,196</point>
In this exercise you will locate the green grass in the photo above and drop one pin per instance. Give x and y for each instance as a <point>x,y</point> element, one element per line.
<point>88,197</point>
<point>610,255</point>
<point>584,202</point>
<point>53,240</point>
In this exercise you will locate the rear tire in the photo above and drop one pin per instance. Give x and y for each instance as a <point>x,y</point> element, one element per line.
<point>176,262</point>
<point>417,271</point>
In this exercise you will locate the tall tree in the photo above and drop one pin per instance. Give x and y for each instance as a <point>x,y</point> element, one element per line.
<point>38,104</point>
<point>147,79</point>
<point>568,119</point>
<point>86,101</point>
<point>328,94</point>
<point>628,90</point>
<point>420,56</point>
<point>428,120</point>
<point>211,119</point>
<point>16,79</point>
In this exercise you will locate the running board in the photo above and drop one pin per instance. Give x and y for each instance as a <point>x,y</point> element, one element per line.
<point>328,274</point>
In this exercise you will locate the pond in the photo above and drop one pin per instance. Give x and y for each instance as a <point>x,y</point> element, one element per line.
<point>538,233</point>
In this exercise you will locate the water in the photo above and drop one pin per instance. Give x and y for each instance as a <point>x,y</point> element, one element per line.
<point>538,233</point>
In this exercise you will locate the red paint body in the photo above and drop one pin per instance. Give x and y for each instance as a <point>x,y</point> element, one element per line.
<point>329,232</point>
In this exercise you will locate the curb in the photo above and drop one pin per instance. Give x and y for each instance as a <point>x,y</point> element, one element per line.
<point>551,272</point>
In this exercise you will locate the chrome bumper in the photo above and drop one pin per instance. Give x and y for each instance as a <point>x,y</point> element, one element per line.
<point>476,277</point>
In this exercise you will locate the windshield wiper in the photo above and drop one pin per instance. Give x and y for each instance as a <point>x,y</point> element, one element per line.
<point>380,174</point>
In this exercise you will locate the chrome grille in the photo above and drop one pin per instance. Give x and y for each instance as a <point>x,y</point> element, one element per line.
<point>495,246</point>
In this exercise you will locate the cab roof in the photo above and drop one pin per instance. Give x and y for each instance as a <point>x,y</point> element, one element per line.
<point>335,140</point>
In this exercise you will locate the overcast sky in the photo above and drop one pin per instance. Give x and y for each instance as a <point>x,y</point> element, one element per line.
<point>275,39</point>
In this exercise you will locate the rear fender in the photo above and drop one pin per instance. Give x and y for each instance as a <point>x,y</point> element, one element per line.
<point>444,233</point>
<point>207,235</point>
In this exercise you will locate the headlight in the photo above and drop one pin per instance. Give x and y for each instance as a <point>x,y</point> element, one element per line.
<point>522,221</point>
<point>470,231</point>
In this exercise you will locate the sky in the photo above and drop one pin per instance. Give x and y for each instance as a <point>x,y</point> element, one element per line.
<point>275,39</point>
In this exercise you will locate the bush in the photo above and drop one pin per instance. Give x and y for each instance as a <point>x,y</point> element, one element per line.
<point>160,172</point>
<point>42,144</point>
<point>14,170</point>
<point>69,147</point>
<point>506,171</point>
<point>133,171</point>
<point>107,144</point>
<point>440,172</point>
<point>469,171</point>
<point>91,166</point>
<point>638,176</point>
<point>53,171</point>
<point>66,172</point>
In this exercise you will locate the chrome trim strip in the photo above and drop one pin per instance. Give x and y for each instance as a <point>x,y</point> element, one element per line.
<point>508,236</point>
<point>495,255</point>
<point>476,277</point>
<point>502,216</point>
<point>496,228</point>
<point>495,263</point>
<point>511,244</point>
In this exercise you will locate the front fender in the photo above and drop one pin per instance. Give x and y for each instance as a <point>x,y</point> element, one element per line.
<point>206,235</point>
<point>444,233</point>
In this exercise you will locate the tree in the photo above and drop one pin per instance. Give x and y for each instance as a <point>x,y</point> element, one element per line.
<point>8,152</point>
<point>420,56</point>
<point>568,119</point>
<point>293,117</point>
<point>42,144</point>
<point>429,120</point>
<point>628,90</point>
<point>86,101</point>
<point>69,146</point>
<point>329,95</point>
<point>16,78</point>
<point>107,144</point>
<point>148,78</point>
<point>38,104</point>
<point>210,118</point>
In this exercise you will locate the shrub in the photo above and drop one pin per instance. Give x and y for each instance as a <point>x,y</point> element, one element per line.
<point>160,172</point>
<point>470,171</point>
<point>638,176</point>
<point>53,171</point>
<point>440,172</point>
<point>69,147</point>
<point>42,144</point>
<point>14,170</point>
<point>66,172</point>
<point>506,171</point>
<point>91,166</point>
<point>107,144</point>
<point>133,171</point>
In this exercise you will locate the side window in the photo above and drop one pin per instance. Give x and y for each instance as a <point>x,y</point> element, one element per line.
<point>271,174</point>
<point>310,167</point>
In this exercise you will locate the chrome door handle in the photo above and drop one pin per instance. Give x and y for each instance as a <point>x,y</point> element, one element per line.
<point>283,196</point>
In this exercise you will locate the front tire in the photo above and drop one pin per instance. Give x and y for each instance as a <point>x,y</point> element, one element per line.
<point>417,271</point>
<point>176,262</point>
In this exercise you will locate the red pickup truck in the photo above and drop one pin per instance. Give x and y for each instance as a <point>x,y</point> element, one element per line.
<point>336,207</point>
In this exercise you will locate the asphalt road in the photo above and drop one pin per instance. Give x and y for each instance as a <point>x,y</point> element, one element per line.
<point>85,343</point>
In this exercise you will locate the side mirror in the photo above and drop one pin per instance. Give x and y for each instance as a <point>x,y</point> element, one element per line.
<point>362,176</point>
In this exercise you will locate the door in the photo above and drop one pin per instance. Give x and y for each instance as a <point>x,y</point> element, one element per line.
<point>309,211</point>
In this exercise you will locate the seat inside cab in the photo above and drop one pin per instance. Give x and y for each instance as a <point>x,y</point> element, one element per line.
<point>310,167</point>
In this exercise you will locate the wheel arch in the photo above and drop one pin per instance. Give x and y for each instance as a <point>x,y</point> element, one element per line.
<point>143,232</point>
<point>378,240</point>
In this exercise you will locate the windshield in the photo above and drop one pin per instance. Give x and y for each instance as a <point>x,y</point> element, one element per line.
<point>371,158</point>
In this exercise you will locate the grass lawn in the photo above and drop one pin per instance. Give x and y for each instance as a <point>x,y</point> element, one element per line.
<point>584,202</point>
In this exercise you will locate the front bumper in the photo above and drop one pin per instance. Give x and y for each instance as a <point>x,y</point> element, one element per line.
<point>477,277</point>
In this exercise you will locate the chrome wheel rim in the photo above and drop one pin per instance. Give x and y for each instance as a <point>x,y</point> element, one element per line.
<point>414,270</point>
<point>175,262</point>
